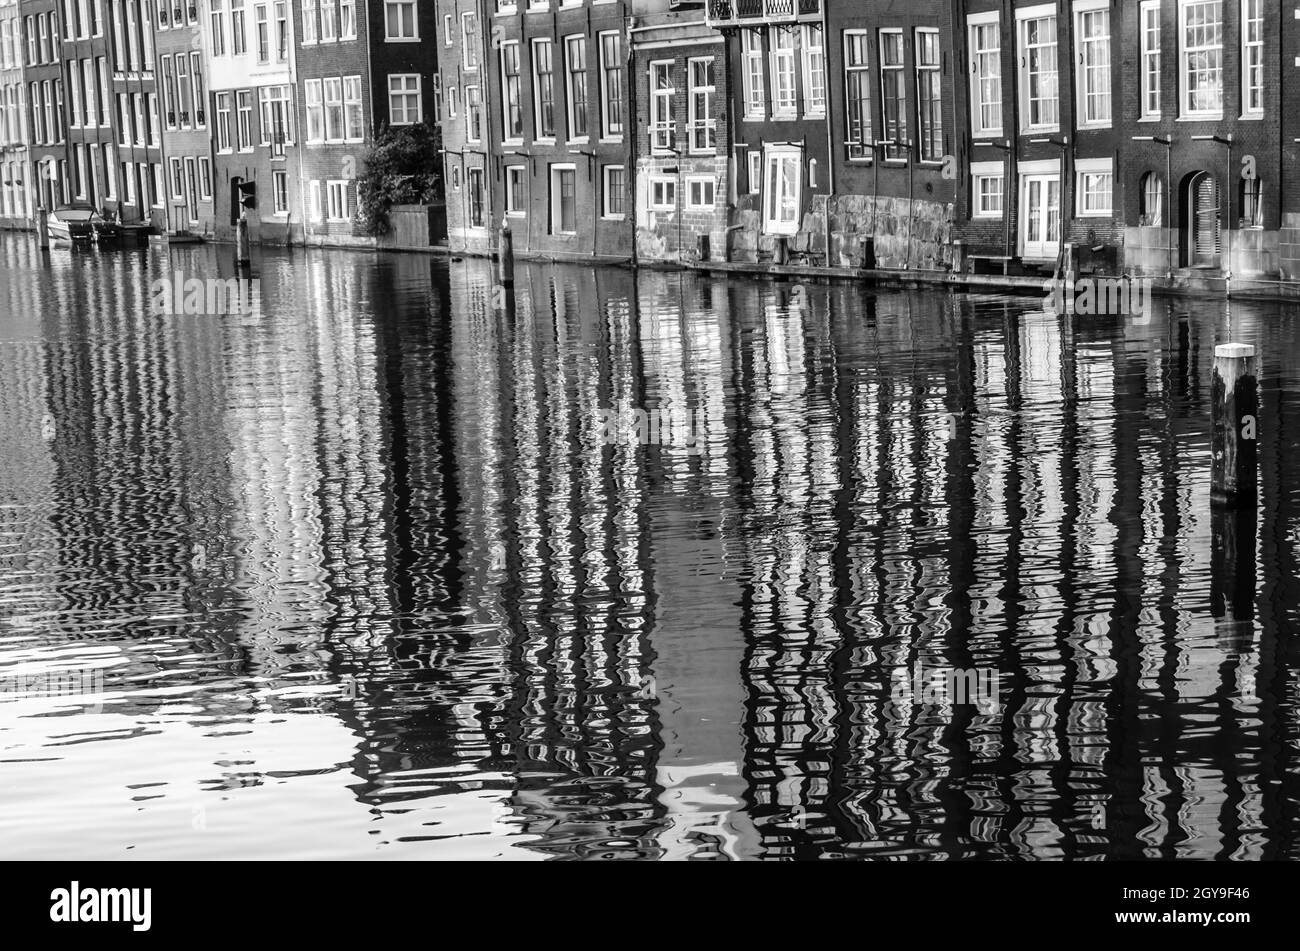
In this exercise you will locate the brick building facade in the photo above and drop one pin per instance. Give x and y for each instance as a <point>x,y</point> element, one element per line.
<point>45,125</point>
<point>681,176</point>
<point>15,200</point>
<point>182,81</point>
<point>780,126</point>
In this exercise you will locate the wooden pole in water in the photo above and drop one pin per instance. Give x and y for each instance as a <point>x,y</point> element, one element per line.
<point>506,258</point>
<point>242,255</point>
<point>42,228</point>
<point>1234,447</point>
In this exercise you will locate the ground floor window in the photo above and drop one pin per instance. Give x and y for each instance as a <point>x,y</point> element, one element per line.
<point>614,191</point>
<point>515,189</point>
<point>1153,200</point>
<point>663,194</point>
<point>1094,180</point>
<point>337,196</point>
<point>280,192</point>
<point>1252,208</point>
<point>699,194</point>
<point>474,178</point>
<point>987,188</point>
<point>564,209</point>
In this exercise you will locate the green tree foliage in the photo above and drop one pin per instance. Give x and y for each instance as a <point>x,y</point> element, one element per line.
<point>401,169</point>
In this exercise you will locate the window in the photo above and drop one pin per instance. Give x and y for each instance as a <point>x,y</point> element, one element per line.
<point>474,179</point>
<point>857,95</point>
<point>88,75</point>
<point>611,81</point>
<point>893,94</point>
<point>329,29</point>
<point>333,91</point>
<point>784,39</point>
<point>1093,186</point>
<point>1149,28</point>
<point>663,194</point>
<point>564,209</point>
<point>185,92</point>
<point>473,114</point>
<point>511,111</point>
<point>755,171</point>
<point>469,40</point>
<point>755,87</point>
<point>275,110</point>
<point>1092,41</point>
<point>196,87</point>
<point>353,115</point>
<point>986,67</point>
<point>404,99</point>
<point>1039,79</point>
<point>661,105</point>
<point>244,107</point>
<point>453,102</point>
<point>337,195</point>
<point>781,211</point>
<point>814,69</point>
<point>347,19</point>
<point>177,178</point>
<point>613,191</point>
<point>699,194</point>
<point>281,31</point>
<point>1153,200</point>
<point>703,125</point>
<point>1252,57</point>
<point>262,32</point>
<point>315,111</point>
<point>316,206</point>
<point>223,120</point>
<point>308,22</point>
<point>238,36</point>
<point>543,89</point>
<point>515,190</point>
<point>1249,200</point>
<point>987,185</point>
<point>280,193</point>
<point>400,24</point>
<point>1202,57</point>
<point>446,29</point>
<point>929,97</point>
<point>575,57</point>
<point>205,178</point>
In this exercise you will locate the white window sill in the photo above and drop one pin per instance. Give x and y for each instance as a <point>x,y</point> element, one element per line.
<point>1198,117</point>
<point>401,39</point>
<point>1094,214</point>
<point>988,216</point>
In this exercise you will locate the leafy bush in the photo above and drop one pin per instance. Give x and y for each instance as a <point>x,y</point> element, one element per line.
<point>401,169</point>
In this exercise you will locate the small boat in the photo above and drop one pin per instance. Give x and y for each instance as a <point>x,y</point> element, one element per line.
<point>81,224</point>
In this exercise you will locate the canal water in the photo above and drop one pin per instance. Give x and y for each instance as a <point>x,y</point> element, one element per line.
<point>655,566</point>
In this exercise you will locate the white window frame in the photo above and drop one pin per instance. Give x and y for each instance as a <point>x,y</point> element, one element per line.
<point>783,66</point>
<point>700,181</point>
<point>1084,169</point>
<point>607,189</point>
<point>1252,49</point>
<point>520,172</point>
<point>1185,54</point>
<point>1083,10</point>
<point>664,185</point>
<point>857,145</point>
<point>935,71</point>
<point>987,171</point>
<point>405,92</point>
<point>695,122</point>
<point>332,187</point>
<point>812,57</point>
<point>662,121</point>
<point>278,210</point>
<point>1150,31</point>
<point>1024,16</point>
<point>607,96</point>
<point>571,108</point>
<point>754,75</point>
<point>556,199</point>
<point>755,171</point>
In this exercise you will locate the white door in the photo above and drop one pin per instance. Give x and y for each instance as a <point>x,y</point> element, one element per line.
<point>781,190</point>
<point>1040,216</point>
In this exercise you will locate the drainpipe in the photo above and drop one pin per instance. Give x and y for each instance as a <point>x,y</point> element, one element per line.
<point>830,139</point>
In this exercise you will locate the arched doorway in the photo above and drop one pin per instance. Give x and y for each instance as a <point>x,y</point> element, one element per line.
<point>1201,221</point>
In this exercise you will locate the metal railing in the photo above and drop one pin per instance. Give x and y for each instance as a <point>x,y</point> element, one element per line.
<point>723,12</point>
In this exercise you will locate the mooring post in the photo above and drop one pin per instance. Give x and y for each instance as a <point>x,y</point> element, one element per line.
<point>1234,447</point>
<point>506,257</point>
<point>42,228</point>
<point>242,254</point>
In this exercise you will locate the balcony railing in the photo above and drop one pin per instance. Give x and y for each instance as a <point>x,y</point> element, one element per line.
<point>753,12</point>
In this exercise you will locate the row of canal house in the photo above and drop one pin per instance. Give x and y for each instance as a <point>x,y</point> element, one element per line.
<point>178,116</point>
<point>1146,136</point>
